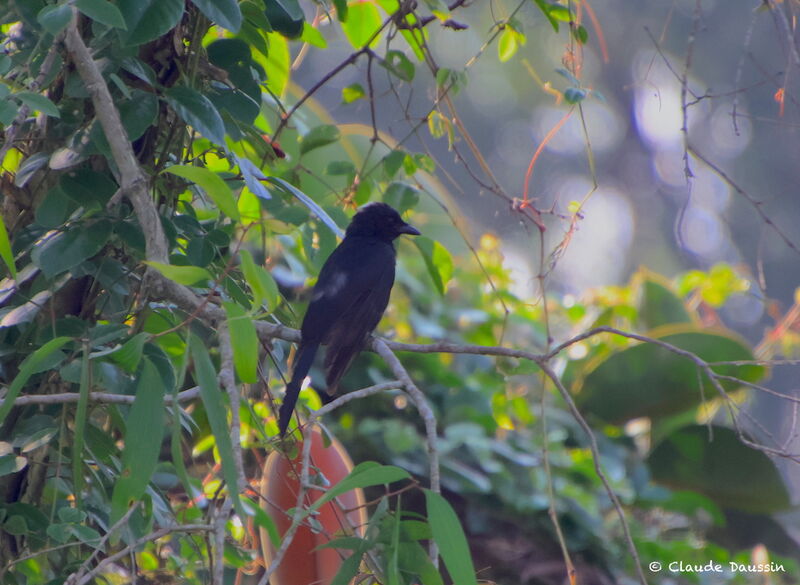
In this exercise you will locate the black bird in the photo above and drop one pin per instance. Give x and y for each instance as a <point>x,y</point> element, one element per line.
<point>349,298</point>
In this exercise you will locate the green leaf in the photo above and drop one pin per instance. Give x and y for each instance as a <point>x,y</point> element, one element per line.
<point>211,395</point>
<point>449,536</point>
<point>144,431</point>
<point>187,275</point>
<point>714,461</point>
<point>308,202</point>
<point>69,248</point>
<point>213,185</point>
<point>54,18</point>
<point>580,33</point>
<point>341,10</point>
<point>399,65</point>
<point>363,21</point>
<point>507,46</point>
<point>103,12</point>
<point>38,102</point>
<point>438,261</point>
<point>197,111</point>
<point>402,196</point>
<point>29,367</point>
<point>5,250</point>
<point>146,20</point>
<point>80,423</point>
<point>312,36</point>
<point>87,188</point>
<point>225,13</point>
<point>244,342</point>
<point>262,285</point>
<point>393,161</point>
<point>352,93</point>
<point>365,474</point>
<point>130,354</point>
<point>450,80</point>
<point>656,304</point>
<point>137,114</point>
<point>318,137</point>
<point>649,380</point>
<point>285,17</point>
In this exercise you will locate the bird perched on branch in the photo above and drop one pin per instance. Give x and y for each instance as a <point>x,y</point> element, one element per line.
<point>349,298</point>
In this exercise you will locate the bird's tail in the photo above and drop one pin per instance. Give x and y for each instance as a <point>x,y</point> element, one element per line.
<point>302,364</point>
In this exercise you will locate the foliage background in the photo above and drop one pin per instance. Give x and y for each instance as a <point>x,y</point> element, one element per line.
<point>542,148</point>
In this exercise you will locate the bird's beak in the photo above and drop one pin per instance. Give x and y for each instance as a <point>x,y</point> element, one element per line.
<point>409,229</point>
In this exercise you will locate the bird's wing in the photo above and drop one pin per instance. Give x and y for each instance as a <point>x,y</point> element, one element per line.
<point>350,332</point>
<point>345,288</point>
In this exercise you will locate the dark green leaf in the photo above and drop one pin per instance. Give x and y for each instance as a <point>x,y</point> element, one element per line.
<point>29,367</point>
<point>399,65</point>
<point>102,11</point>
<point>68,249</point>
<point>147,20</point>
<point>87,188</point>
<point>225,13</point>
<point>55,18</point>
<point>715,462</point>
<point>657,304</point>
<point>449,536</point>
<point>198,112</point>
<point>130,354</point>
<point>38,102</point>
<point>285,17</point>
<point>137,114</point>
<point>580,34</point>
<point>649,380</point>
<point>341,9</point>
<point>318,137</point>
<point>143,435</point>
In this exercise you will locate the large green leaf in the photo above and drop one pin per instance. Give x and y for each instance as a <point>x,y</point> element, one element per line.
<point>147,20</point>
<point>438,261</point>
<point>656,303</point>
<point>197,111</point>
<point>363,21</point>
<point>213,185</point>
<point>143,435</point>
<point>285,17</point>
<point>29,367</point>
<point>244,342</point>
<point>449,536</point>
<point>318,137</point>
<point>87,188</point>
<point>225,13</point>
<point>648,380</point>
<point>262,284</point>
<point>211,394</point>
<point>365,474</point>
<point>103,12</point>
<point>715,462</point>
<point>68,249</point>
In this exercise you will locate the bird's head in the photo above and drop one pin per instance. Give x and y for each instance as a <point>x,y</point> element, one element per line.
<point>378,220</point>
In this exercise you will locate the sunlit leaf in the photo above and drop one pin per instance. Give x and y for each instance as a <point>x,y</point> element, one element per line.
<point>363,22</point>
<point>213,185</point>
<point>438,261</point>
<point>187,275</point>
<point>244,342</point>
